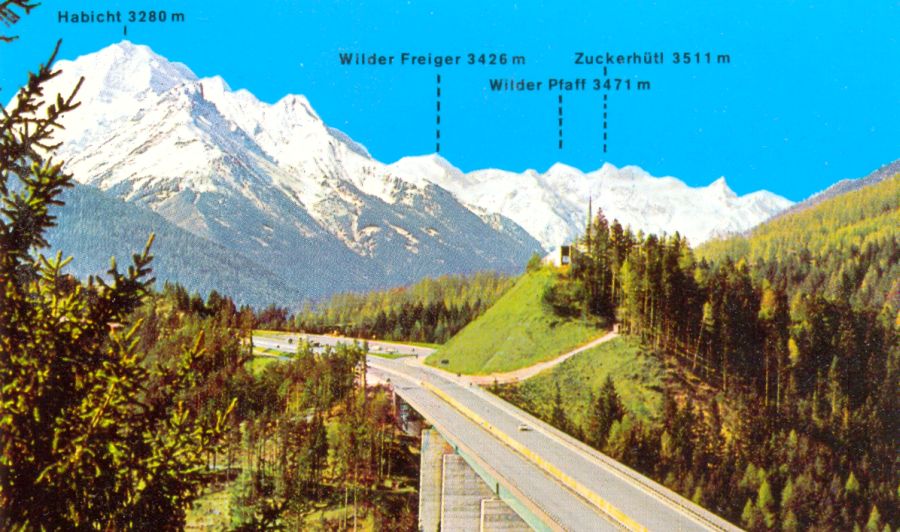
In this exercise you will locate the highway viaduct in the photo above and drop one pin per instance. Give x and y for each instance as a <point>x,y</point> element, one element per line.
<point>551,480</point>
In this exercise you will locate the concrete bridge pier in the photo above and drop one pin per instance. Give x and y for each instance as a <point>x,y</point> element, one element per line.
<point>453,497</point>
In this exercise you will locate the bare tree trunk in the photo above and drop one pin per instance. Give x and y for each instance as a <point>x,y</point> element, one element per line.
<point>346,500</point>
<point>389,456</point>
<point>355,489</point>
<point>725,377</point>
<point>778,386</point>
<point>697,349</point>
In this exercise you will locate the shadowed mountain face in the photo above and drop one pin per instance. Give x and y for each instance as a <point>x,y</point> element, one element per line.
<point>86,232</point>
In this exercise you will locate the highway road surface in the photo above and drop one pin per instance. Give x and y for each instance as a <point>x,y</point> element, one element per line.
<point>568,470</point>
<point>287,342</point>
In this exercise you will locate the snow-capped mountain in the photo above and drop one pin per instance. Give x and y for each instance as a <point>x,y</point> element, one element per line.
<point>552,206</point>
<point>271,182</point>
<point>274,184</point>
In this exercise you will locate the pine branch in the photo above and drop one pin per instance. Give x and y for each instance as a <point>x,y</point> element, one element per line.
<point>9,17</point>
<point>26,139</point>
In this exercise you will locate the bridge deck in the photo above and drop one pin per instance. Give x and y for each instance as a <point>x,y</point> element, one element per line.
<point>645,503</point>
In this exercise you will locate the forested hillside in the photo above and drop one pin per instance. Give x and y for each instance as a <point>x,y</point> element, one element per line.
<point>432,310</point>
<point>887,171</point>
<point>196,263</point>
<point>844,248</point>
<point>784,361</point>
<point>306,444</point>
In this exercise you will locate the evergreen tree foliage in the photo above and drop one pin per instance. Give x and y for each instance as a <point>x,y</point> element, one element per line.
<point>607,409</point>
<point>792,332</point>
<point>432,310</point>
<point>558,417</point>
<point>874,522</point>
<point>92,438</point>
<point>312,432</point>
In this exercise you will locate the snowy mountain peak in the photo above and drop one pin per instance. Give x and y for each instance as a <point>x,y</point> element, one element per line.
<point>216,84</point>
<point>551,205</point>
<point>446,166</point>
<point>629,172</point>
<point>127,68</point>
<point>720,186</point>
<point>271,182</point>
<point>424,169</point>
<point>439,160</point>
<point>608,167</point>
<point>275,181</point>
<point>563,169</point>
<point>131,51</point>
<point>296,106</point>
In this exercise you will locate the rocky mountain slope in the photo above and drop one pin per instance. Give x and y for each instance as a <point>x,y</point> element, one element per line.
<point>279,189</point>
<point>269,182</point>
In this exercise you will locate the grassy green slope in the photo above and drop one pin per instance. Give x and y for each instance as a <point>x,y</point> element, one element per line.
<point>517,331</point>
<point>638,377</point>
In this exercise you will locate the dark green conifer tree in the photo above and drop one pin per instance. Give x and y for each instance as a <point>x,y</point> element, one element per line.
<point>91,438</point>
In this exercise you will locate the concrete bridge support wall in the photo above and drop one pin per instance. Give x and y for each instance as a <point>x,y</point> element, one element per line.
<point>453,497</point>
<point>431,468</point>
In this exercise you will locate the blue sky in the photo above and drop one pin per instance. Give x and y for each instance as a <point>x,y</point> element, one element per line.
<point>811,94</point>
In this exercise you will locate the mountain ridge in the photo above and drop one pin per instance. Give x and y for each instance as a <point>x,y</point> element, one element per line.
<point>629,194</point>
<point>845,186</point>
<point>275,184</point>
<point>270,182</point>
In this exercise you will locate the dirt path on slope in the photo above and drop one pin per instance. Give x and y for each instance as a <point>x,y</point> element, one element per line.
<point>531,371</point>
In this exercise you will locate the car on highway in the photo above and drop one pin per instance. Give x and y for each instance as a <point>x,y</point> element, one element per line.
<point>523,427</point>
